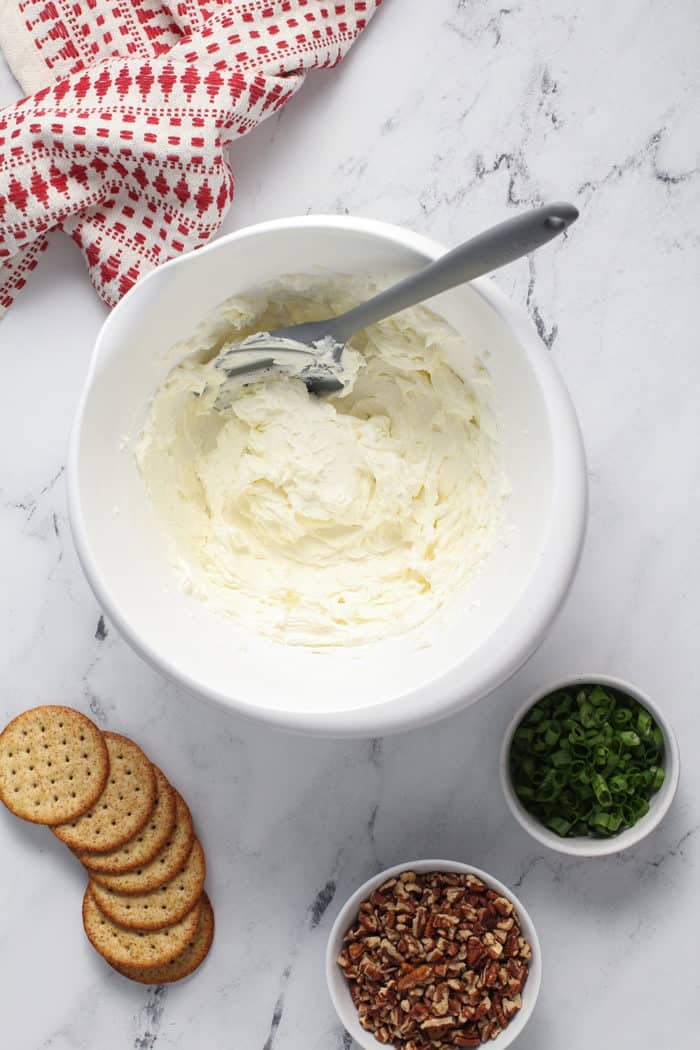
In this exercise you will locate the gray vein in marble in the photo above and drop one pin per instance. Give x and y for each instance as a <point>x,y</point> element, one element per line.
<point>549,88</point>
<point>515,164</point>
<point>376,746</point>
<point>321,902</point>
<point>555,870</point>
<point>646,154</point>
<point>371,825</point>
<point>315,913</point>
<point>29,505</point>
<point>278,1011</point>
<point>150,1018</point>
<point>96,709</point>
<point>548,336</point>
<point>493,27</point>
<point>675,851</point>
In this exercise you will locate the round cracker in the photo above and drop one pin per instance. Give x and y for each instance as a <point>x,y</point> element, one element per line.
<point>161,907</point>
<point>124,806</point>
<point>122,947</point>
<point>164,865</point>
<point>53,764</point>
<point>149,841</point>
<point>183,964</point>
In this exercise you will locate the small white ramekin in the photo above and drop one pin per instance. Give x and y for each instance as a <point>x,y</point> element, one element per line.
<point>338,985</point>
<point>584,846</point>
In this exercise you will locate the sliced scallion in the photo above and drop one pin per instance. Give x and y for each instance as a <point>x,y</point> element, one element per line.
<point>587,761</point>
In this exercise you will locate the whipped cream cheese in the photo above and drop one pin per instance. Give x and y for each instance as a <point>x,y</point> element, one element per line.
<point>326,521</point>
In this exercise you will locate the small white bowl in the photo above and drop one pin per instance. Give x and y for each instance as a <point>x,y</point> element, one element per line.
<point>584,846</point>
<point>338,984</point>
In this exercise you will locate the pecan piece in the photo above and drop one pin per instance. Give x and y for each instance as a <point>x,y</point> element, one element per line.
<point>461,1039</point>
<point>438,1026</point>
<point>418,975</point>
<point>492,946</point>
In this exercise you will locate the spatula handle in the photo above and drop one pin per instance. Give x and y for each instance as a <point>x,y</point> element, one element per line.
<point>488,251</point>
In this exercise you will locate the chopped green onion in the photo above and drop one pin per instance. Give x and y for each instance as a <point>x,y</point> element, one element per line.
<point>587,762</point>
<point>644,723</point>
<point>559,825</point>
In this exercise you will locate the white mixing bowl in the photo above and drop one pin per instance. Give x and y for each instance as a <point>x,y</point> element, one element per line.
<point>489,628</point>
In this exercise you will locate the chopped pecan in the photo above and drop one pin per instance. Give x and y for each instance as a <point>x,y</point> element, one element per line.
<point>524,949</point>
<point>484,1008</point>
<point>370,969</point>
<point>443,921</point>
<point>490,974</point>
<point>441,1000</point>
<point>435,961</point>
<point>419,922</point>
<point>369,922</point>
<point>475,951</point>
<point>419,1012</point>
<point>389,950</point>
<point>418,975</point>
<point>511,1006</point>
<point>505,924</point>
<point>462,1039</point>
<point>492,946</point>
<point>438,1026</point>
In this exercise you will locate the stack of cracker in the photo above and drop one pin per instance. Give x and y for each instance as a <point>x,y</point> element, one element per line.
<point>145,910</point>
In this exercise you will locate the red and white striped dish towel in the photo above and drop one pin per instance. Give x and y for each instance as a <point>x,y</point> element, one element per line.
<point>123,142</point>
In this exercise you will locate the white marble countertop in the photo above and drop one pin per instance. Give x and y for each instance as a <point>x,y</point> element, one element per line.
<point>447,116</point>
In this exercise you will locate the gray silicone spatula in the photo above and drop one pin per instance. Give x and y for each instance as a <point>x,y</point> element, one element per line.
<point>313,351</point>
